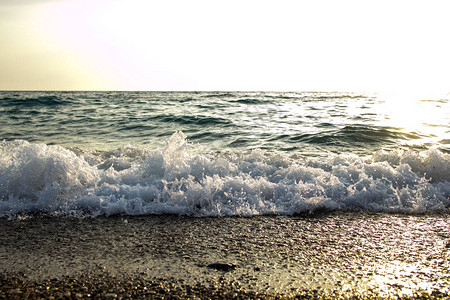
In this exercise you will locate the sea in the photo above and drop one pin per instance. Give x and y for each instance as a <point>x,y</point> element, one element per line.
<point>221,154</point>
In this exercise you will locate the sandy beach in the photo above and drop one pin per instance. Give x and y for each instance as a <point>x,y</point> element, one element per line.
<point>350,255</point>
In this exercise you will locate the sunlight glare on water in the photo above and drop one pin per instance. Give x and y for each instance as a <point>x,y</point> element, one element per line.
<point>427,115</point>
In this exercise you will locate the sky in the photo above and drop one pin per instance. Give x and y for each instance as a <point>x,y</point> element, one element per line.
<point>320,45</point>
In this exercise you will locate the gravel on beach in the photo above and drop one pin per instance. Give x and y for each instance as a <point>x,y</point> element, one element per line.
<point>348,256</point>
<point>110,287</point>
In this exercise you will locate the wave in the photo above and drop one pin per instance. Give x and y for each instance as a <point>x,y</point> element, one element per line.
<point>34,101</point>
<point>250,101</point>
<point>314,96</point>
<point>184,179</point>
<point>191,120</point>
<point>219,95</point>
<point>355,135</point>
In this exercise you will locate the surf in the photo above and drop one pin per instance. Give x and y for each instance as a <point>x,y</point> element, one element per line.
<point>186,179</point>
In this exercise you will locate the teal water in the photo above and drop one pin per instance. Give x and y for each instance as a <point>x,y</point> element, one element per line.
<point>310,123</point>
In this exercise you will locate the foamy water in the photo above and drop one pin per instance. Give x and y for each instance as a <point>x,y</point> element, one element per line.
<point>179,178</point>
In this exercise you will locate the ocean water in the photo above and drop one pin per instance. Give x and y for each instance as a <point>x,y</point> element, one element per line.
<point>221,154</point>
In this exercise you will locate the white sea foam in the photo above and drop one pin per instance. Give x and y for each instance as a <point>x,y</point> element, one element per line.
<point>182,179</point>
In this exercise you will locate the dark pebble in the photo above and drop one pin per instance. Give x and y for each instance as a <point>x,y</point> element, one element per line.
<point>222,266</point>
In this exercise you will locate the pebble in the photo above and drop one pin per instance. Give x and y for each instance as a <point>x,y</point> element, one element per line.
<point>222,266</point>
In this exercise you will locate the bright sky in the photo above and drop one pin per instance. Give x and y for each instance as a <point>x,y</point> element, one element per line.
<point>279,45</point>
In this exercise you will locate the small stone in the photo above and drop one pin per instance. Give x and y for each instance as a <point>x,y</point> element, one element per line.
<point>222,266</point>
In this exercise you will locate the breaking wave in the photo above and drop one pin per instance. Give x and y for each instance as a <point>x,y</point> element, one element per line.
<point>186,180</point>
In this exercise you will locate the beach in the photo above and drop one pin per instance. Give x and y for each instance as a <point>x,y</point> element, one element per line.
<point>345,255</point>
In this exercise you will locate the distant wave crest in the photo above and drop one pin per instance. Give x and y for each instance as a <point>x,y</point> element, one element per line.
<point>183,179</point>
<point>187,119</point>
<point>354,135</point>
<point>48,100</point>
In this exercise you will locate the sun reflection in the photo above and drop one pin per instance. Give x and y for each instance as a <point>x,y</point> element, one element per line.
<point>425,115</point>
<point>401,279</point>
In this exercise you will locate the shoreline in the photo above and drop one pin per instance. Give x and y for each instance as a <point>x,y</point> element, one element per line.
<point>335,255</point>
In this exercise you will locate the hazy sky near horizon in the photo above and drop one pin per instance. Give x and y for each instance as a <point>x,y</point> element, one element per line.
<point>324,45</point>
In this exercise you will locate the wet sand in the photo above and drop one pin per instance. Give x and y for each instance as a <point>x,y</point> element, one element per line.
<point>347,255</point>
